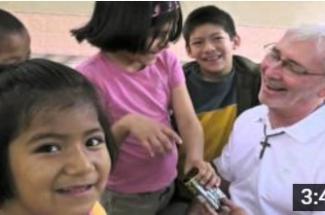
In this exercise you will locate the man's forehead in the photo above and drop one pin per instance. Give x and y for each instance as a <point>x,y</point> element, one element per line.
<point>305,51</point>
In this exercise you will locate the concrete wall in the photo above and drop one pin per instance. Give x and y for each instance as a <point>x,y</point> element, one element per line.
<point>258,23</point>
<point>268,13</point>
<point>251,13</point>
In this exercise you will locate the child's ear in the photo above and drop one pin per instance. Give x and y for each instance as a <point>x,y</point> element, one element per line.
<point>236,41</point>
<point>188,50</point>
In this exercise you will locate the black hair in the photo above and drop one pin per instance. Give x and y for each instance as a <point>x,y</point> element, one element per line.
<point>126,26</point>
<point>33,86</point>
<point>208,15</point>
<point>10,24</point>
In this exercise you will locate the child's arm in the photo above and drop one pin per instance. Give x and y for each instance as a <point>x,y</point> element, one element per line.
<point>192,134</point>
<point>152,135</point>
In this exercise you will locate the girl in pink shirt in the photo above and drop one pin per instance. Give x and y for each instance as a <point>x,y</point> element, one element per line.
<point>142,83</point>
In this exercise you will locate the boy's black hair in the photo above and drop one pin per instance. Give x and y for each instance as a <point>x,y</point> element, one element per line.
<point>126,26</point>
<point>39,85</point>
<point>9,24</point>
<point>208,15</point>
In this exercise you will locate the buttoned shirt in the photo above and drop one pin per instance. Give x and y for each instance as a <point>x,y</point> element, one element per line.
<point>296,155</point>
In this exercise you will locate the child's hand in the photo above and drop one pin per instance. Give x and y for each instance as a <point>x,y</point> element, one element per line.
<point>154,136</point>
<point>206,175</point>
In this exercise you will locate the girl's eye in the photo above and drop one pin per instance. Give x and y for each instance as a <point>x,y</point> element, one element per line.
<point>48,148</point>
<point>95,142</point>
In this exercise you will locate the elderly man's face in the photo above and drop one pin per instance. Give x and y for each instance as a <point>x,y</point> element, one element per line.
<point>282,87</point>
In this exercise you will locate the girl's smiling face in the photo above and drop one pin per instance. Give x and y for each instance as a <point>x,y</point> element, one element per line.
<point>59,163</point>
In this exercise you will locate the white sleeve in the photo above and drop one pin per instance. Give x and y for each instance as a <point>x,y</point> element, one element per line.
<point>223,162</point>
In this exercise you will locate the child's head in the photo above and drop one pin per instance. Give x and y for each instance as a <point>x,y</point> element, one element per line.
<point>14,40</point>
<point>55,142</point>
<point>135,27</point>
<point>210,36</point>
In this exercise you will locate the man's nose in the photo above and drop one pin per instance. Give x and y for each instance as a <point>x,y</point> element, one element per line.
<point>273,69</point>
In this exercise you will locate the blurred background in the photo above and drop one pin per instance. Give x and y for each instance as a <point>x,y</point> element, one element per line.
<point>258,23</point>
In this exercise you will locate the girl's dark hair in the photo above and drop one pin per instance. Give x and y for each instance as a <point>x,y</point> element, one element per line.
<point>39,85</point>
<point>208,15</point>
<point>116,26</point>
<point>9,24</point>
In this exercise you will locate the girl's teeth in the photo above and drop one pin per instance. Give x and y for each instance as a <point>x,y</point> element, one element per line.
<point>75,189</point>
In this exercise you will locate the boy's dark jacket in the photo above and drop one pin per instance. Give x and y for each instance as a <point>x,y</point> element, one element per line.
<point>247,81</point>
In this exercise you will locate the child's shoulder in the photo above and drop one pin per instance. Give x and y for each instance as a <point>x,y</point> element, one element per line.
<point>89,63</point>
<point>245,65</point>
<point>166,54</point>
<point>167,58</point>
<point>191,66</point>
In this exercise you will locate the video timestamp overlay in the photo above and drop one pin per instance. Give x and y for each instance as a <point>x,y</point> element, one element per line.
<point>308,197</point>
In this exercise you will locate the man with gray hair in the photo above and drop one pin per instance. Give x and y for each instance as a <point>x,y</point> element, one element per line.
<point>281,143</point>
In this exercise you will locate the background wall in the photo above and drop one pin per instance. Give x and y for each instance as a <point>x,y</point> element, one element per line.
<point>258,23</point>
<point>268,13</point>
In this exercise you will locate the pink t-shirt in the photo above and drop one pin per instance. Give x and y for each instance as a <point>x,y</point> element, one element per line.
<point>146,92</point>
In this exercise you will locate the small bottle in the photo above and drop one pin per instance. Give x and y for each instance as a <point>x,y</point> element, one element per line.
<point>211,195</point>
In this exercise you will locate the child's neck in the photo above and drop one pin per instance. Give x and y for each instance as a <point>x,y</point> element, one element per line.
<point>215,77</point>
<point>124,60</point>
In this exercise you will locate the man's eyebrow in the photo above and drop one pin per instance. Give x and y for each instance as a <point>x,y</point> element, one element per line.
<point>288,59</point>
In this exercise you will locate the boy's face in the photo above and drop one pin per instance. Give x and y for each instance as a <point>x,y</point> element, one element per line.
<point>213,49</point>
<point>60,162</point>
<point>15,48</point>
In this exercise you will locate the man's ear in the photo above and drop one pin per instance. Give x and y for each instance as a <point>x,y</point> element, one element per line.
<point>321,90</point>
<point>236,41</point>
<point>321,93</point>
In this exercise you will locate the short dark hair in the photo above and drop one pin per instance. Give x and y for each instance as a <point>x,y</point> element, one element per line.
<point>10,24</point>
<point>37,85</point>
<point>208,15</point>
<point>116,26</point>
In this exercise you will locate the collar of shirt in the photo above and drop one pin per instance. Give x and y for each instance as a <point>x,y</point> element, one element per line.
<point>302,131</point>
